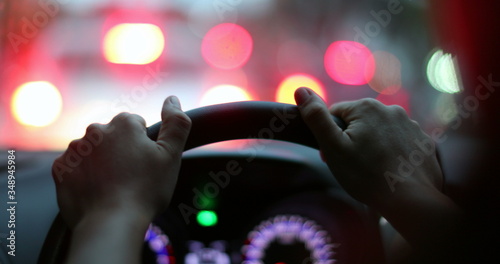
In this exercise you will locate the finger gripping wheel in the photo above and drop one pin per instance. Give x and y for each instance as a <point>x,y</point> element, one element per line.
<point>210,124</point>
<point>243,120</point>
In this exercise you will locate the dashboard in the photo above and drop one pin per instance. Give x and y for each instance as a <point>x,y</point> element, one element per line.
<point>281,205</point>
<point>244,201</point>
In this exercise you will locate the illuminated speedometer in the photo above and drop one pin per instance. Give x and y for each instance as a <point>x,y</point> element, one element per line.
<point>159,245</point>
<point>289,239</point>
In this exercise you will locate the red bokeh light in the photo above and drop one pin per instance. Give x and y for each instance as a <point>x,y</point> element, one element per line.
<point>401,98</point>
<point>349,62</point>
<point>227,46</point>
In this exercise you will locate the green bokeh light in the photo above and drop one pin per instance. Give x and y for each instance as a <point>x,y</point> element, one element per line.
<point>206,218</point>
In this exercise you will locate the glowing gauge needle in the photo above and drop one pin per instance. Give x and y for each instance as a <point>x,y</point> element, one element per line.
<point>286,231</point>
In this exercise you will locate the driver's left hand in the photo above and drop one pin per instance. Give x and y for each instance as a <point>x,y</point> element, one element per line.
<point>116,169</point>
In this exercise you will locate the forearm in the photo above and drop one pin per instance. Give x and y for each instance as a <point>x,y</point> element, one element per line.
<point>429,220</point>
<point>108,238</point>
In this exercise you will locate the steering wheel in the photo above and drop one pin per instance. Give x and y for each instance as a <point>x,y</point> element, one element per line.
<point>210,124</point>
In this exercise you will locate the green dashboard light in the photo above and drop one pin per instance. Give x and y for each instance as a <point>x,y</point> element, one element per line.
<point>206,218</point>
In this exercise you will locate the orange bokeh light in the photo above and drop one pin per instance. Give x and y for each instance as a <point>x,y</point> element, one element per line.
<point>286,89</point>
<point>133,43</point>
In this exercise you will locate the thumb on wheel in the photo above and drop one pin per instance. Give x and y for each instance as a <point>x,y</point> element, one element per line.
<point>318,118</point>
<point>175,126</point>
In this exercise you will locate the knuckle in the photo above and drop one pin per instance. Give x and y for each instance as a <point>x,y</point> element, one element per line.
<point>137,118</point>
<point>93,127</point>
<point>414,123</point>
<point>127,120</point>
<point>123,116</point>
<point>370,104</point>
<point>74,144</point>
<point>398,110</point>
<point>57,161</point>
<point>179,119</point>
<point>400,113</point>
<point>369,101</point>
<point>313,111</point>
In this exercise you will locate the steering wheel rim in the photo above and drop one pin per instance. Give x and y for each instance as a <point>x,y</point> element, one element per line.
<point>240,120</point>
<point>248,119</point>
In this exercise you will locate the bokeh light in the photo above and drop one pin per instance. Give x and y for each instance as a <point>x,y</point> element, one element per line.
<point>349,62</point>
<point>387,77</point>
<point>160,244</point>
<point>227,46</point>
<point>206,218</point>
<point>36,104</point>
<point>133,43</point>
<point>224,94</point>
<point>286,89</point>
<point>442,72</point>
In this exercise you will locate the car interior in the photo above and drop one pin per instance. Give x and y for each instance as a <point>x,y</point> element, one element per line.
<point>252,187</point>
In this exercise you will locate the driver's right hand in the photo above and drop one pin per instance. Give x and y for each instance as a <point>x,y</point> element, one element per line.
<point>380,155</point>
<point>385,160</point>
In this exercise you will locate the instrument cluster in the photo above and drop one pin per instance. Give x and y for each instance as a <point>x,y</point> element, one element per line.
<point>227,209</point>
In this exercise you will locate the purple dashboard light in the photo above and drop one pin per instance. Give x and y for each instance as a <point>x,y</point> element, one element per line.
<point>160,244</point>
<point>286,230</point>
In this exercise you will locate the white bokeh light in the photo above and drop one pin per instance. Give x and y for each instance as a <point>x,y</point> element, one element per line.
<point>224,94</point>
<point>36,104</point>
<point>442,72</point>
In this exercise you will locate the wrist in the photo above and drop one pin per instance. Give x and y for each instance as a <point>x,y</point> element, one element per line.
<point>99,233</point>
<point>429,220</point>
<point>105,218</point>
<point>408,192</point>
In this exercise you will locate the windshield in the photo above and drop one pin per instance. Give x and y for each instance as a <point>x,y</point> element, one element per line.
<point>71,63</point>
